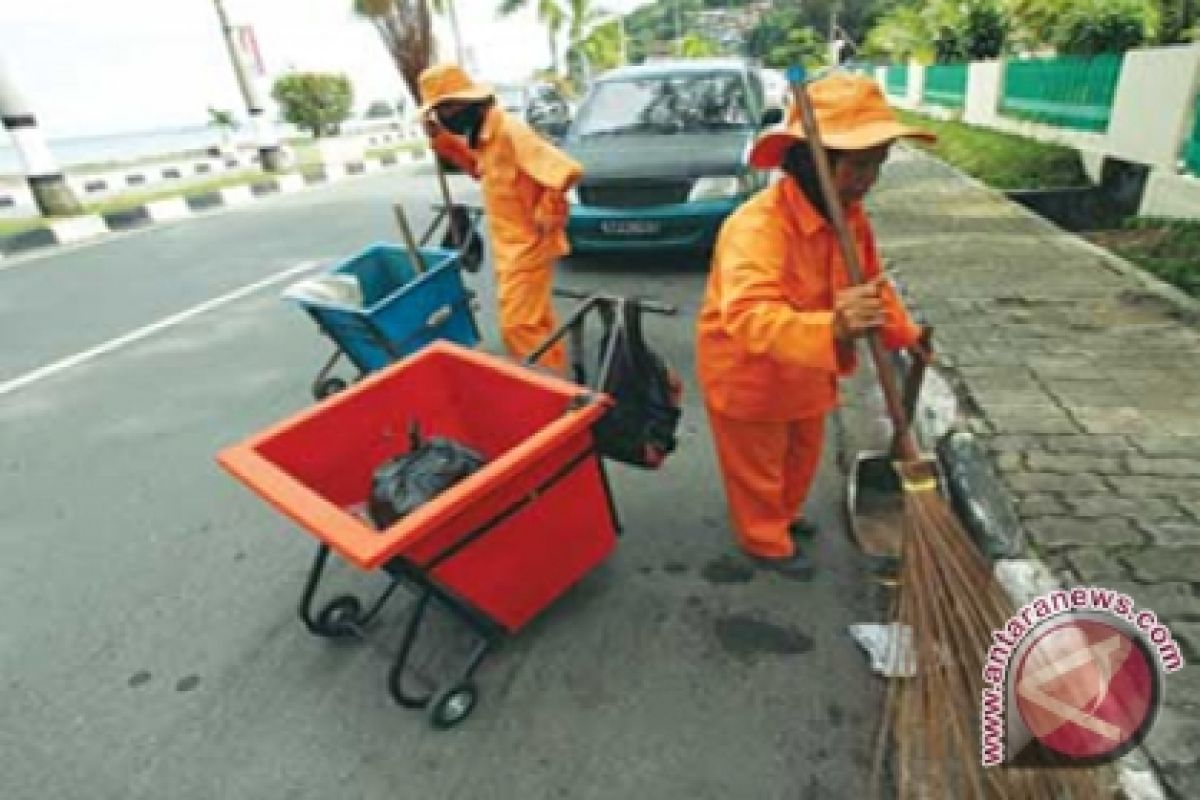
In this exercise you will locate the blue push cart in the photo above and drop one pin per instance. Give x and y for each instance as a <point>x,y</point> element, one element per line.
<point>390,309</point>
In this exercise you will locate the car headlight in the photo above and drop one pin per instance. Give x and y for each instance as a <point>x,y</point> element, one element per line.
<point>573,195</point>
<point>719,187</point>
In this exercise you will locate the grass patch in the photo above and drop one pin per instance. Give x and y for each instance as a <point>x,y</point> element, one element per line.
<point>407,147</point>
<point>130,200</point>
<point>1002,160</point>
<point>11,227</point>
<point>1167,248</point>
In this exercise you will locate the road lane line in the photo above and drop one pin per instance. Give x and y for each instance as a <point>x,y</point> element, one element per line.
<point>141,333</point>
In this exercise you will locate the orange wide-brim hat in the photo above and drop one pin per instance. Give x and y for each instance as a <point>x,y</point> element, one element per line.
<point>852,114</point>
<point>448,82</point>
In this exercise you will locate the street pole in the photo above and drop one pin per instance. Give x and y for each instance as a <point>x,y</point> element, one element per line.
<point>47,184</point>
<point>269,155</point>
<point>833,43</point>
<point>452,13</point>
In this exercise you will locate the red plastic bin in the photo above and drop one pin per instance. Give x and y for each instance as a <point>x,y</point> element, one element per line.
<point>542,496</point>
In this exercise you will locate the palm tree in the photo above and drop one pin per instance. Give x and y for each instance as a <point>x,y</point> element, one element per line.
<point>406,28</point>
<point>550,13</point>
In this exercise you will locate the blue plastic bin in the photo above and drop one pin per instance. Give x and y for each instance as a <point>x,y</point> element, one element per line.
<point>402,311</point>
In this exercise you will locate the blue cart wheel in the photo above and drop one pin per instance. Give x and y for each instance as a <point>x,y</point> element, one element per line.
<point>452,705</point>
<point>328,387</point>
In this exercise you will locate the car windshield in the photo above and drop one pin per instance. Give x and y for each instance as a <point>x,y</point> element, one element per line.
<point>667,104</point>
<point>510,97</point>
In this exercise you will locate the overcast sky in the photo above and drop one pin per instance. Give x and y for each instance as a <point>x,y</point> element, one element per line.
<point>117,65</point>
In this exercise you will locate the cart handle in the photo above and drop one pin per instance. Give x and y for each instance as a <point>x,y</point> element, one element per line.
<point>596,298</point>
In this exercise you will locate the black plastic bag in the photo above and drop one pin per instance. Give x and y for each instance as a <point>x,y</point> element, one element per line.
<point>402,484</point>
<point>640,428</point>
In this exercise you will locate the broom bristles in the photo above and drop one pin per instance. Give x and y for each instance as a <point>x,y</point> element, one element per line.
<point>950,601</point>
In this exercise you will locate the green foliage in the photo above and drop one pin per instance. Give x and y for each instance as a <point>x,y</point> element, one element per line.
<point>1168,248</point>
<point>1176,20</point>
<point>314,101</point>
<point>222,118</point>
<point>1003,160</point>
<point>976,32</point>
<point>901,34</point>
<point>782,39</point>
<point>696,46</point>
<point>1102,26</point>
<point>941,30</point>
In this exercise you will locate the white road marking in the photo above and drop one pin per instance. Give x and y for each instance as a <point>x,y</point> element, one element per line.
<point>149,330</point>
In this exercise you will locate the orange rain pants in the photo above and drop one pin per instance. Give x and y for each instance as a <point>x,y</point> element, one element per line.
<point>767,359</point>
<point>523,178</point>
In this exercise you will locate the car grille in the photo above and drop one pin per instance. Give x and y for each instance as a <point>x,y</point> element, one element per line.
<point>635,195</point>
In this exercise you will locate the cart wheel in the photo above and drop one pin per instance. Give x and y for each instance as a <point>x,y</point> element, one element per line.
<point>340,617</point>
<point>452,705</point>
<point>327,387</point>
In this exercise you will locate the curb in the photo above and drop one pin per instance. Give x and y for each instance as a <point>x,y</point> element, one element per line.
<point>96,226</point>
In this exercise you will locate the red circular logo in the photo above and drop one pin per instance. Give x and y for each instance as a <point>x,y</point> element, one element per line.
<point>1086,688</point>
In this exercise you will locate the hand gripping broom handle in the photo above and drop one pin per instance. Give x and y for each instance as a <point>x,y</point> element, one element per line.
<point>905,444</point>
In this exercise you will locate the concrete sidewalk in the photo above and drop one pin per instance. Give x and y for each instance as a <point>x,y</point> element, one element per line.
<point>1082,377</point>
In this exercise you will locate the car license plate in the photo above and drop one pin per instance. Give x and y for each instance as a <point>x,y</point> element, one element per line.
<point>630,227</point>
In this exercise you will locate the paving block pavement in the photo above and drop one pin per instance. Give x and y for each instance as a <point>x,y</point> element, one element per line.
<point>1081,376</point>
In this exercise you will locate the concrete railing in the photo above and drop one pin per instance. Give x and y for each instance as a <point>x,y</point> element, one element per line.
<point>1152,116</point>
<point>16,202</point>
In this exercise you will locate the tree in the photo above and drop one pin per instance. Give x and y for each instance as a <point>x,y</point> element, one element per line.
<point>405,27</point>
<point>1091,26</point>
<point>314,101</point>
<point>1177,21</point>
<point>901,34</point>
<point>549,12</point>
<point>1102,26</point>
<point>224,121</point>
<point>696,46</point>
<point>967,31</point>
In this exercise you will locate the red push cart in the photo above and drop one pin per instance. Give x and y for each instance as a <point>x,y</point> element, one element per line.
<point>493,550</point>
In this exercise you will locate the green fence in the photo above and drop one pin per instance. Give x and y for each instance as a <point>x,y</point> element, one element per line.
<point>1069,91</point>
<point>946,85</point>
<point>1191,151</point>
<point>897,79</point>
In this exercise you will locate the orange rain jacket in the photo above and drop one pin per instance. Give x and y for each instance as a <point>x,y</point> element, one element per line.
<point>765,345</point>
<point>524,179</point>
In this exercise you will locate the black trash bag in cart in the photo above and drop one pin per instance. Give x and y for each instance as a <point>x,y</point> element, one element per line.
<point>402,484</point>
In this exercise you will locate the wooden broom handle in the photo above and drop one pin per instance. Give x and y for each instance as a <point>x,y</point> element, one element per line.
<point>446,202</point>
<point>905,443</point>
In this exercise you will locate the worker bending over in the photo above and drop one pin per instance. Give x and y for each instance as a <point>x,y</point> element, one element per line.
<point>524,180</point>
<point>779,320</point>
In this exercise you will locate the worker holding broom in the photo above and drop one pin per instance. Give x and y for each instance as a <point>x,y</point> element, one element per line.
<point>780,319</point>
<point>524,181</point>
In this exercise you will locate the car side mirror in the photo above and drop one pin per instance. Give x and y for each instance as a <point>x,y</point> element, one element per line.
<point>772,116</point>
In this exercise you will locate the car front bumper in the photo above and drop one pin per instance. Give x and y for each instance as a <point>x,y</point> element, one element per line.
<point>682,226</point>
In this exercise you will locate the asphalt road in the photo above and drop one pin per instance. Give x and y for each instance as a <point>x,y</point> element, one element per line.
<point>149,647</point>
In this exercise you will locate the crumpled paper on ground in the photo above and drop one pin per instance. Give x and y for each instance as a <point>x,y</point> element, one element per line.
<point>889,646</point>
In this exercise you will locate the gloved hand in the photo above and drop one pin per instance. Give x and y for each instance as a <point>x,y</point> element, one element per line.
<point>550,213</point>
<point>858,309</point>
<point>431,124</point>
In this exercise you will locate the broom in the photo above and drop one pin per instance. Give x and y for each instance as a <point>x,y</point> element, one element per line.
<point>947,597</point>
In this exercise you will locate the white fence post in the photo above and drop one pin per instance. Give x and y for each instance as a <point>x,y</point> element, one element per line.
<point>1154,103</point>
<point>916,84</point>
<point>985,87</point>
